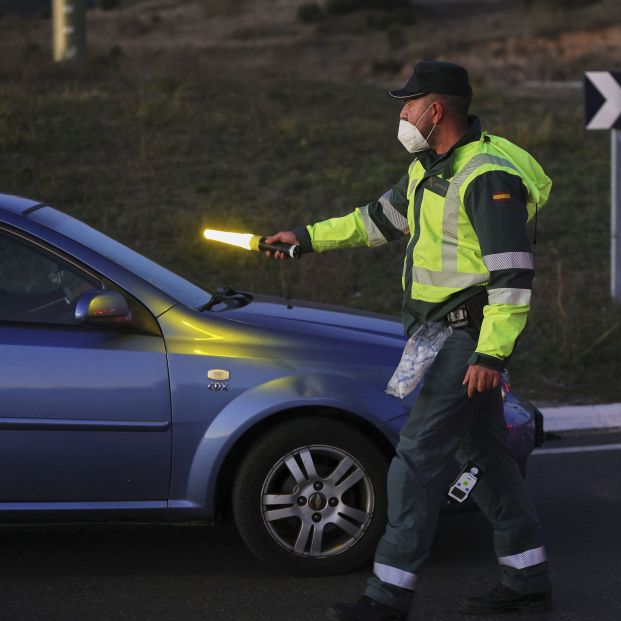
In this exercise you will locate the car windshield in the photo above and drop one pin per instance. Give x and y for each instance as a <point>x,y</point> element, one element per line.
<point>174,285</point>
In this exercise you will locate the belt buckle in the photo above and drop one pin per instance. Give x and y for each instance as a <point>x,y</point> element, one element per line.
<point>458,318</point>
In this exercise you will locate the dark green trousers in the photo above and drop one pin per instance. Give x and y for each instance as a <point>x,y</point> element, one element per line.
<point>445,424</point>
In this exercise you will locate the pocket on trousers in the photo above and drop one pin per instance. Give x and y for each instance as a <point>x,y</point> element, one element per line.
<point>447,372</point>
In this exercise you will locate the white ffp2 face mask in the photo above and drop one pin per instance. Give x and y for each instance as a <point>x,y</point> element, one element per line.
<point>410,137</point>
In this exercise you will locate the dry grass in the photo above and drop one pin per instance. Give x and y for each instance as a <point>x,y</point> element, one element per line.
<point>151,156</point>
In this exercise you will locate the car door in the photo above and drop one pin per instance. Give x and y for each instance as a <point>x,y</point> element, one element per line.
<point>84,411</point>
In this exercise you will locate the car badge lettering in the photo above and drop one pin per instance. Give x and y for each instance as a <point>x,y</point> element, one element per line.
<point>219,386</point>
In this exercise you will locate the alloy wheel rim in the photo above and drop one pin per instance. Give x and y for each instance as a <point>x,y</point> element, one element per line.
<point>317,501</point>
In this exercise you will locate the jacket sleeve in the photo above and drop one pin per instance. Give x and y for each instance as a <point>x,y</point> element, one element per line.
<point>496,205</point>
<point>372,225</point>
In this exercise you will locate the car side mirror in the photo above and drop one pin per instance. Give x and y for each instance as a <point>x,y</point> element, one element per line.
<point>100,307</point>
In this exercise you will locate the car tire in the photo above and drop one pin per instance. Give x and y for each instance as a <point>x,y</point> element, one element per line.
<point>309,497</point>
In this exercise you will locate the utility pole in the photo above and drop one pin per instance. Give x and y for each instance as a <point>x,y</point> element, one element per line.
<point>69,17</point>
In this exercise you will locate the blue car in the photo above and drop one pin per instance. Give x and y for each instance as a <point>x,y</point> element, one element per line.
<point>129,393</point>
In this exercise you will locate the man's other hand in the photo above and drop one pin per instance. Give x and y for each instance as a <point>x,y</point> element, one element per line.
<point>286,237</point>
<point>480,378</point>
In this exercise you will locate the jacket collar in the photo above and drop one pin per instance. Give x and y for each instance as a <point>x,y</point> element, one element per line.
<point>434,163</point>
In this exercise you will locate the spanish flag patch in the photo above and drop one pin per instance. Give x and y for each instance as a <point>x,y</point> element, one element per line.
<point>501,196</point>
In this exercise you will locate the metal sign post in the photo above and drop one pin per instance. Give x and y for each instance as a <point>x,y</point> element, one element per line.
<point>602,110</point>
<point>69,29</point>
<point>615,184</point>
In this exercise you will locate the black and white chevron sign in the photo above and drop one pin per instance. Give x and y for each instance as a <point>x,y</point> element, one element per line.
<point>602,100</point>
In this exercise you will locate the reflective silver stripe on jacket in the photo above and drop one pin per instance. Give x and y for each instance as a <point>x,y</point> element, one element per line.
<point>392,575</point>
<point>449,275</point>
<point>517,297</point>
<point>525,559</point>
<point>395,218</point>
<point>373,233</point>
<point>458,280</point>
<point>509,260</point>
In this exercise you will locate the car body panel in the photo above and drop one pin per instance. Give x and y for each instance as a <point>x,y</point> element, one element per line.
<point>271,370</point>
<point>17,204</point>
<point>85,416</point>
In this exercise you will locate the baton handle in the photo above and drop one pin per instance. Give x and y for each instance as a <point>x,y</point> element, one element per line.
<point>293,250</point>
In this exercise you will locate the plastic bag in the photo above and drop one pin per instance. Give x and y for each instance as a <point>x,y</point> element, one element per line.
<point>420,351</point>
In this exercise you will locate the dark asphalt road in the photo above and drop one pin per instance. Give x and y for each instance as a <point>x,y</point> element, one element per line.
<point>144,572</point>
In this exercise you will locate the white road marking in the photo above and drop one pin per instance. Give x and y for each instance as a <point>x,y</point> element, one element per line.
<point>578,449</point>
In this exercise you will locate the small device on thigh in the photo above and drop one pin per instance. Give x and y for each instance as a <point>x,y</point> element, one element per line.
<point>465,482</point>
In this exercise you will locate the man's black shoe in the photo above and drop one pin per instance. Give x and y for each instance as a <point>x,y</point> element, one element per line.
<point>504,599</point>
<point>365,609</point>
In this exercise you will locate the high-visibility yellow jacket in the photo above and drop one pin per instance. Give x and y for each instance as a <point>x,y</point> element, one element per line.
<point>465,213</point>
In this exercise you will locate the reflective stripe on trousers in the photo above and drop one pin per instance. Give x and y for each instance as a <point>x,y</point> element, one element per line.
<point>392,575</point>
<point>525,559</point>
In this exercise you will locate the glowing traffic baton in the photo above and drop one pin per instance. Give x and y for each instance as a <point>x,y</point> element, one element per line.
<point>251,242</point>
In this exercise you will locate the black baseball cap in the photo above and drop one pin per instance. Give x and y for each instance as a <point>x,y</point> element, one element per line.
<point>435,76</point>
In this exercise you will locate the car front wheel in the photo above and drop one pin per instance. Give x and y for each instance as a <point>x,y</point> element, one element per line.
<point>309,497</point>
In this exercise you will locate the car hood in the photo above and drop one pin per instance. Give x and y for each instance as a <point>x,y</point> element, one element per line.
<point>302,315</point>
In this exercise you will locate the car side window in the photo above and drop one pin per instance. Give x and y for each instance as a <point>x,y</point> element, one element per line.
<point>36,286</point>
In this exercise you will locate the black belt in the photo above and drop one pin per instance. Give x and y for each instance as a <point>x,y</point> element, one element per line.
<point>459,318</point>
<point>470,313</point>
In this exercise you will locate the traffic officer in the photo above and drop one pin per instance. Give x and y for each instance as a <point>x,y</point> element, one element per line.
<point>464,203</point>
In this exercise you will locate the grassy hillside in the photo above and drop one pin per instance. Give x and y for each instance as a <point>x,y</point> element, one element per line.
<point>246,115</point>
<point>501,41</point>
<point>152,161</point>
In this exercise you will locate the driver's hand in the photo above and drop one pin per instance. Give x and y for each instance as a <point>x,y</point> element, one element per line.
<point>286,237</point>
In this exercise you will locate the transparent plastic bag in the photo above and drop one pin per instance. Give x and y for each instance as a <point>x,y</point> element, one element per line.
<point>420,351</point>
